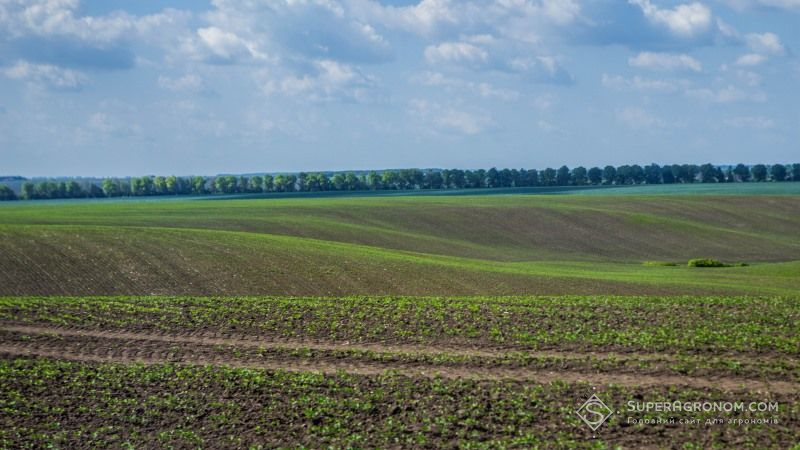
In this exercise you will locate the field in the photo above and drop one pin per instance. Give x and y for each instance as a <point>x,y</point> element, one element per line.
<point>470,321</point>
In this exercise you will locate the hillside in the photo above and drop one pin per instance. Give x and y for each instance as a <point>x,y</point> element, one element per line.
<point>512,244</point>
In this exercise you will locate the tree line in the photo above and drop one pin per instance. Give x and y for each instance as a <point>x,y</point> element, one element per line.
<point>405,179</point>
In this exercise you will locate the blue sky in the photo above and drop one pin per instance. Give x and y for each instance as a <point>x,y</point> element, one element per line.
<point>112,87</point>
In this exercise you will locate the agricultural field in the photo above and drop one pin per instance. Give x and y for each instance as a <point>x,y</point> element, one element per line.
<point>478,321</point>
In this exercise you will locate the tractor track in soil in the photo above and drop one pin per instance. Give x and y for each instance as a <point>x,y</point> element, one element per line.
<point>155,348</point>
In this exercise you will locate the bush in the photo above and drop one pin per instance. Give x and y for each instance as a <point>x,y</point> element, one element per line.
<point>708,262</point>
<point>705,262</point>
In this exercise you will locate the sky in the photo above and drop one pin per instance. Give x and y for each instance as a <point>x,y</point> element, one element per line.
<point>116,88</point>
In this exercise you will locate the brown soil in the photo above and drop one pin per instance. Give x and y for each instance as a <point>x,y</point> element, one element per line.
<point>128,347</point>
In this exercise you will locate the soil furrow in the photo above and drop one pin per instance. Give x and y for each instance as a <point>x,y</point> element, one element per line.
<point>246,341</point>
<point>159,353</point>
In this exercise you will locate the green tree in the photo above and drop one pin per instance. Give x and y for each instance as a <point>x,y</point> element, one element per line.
<point>796,172</point>
<point>562,176</point>
<point>708,173</point>
<point>609,174</point>
<point>548,177</point>
<point>595,175</point>
<point>741,172</point>
<point>759,172</point>
<point>374,181</point>
<point>6,193</point>
<point>652,174</point>
<point>28,191</point>
<point>73,190</point>
<point>778,172</point>
<point>579,176</point>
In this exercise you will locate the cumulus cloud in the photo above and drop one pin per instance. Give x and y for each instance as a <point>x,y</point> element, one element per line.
<point>750,59</point>
<point>53,32</point>
<point>328,80</point>
<point>685,20</point>
<point>218,46</point>
<point>665,61</point>
<point>727,94</point>
<point>765,43</point>
<point>636,117</point>
<point>643,84</point>
<point>45,74</point>
<point>483,89</point>
<point>450,118</point>
<point>459,53</point>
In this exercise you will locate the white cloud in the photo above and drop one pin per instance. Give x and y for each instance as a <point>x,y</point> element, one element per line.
<point>46,74</point>
<point>791,5</point>
<point>189,83</point>
<point>636,117</point>
<point>665,61</point>
<point>757,122</point>
<point>750,59</point>
<point>765,43</point>
<point>450,118</point>
<point>686,20</point>
<point>728,94</point>
<point>483,89</point>
<point>456,53</point>
<point>329,80</point>
<point>222,47</point>
<point>642,84</point>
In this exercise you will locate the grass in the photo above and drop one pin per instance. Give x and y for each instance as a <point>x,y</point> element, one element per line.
<point>423,245</point>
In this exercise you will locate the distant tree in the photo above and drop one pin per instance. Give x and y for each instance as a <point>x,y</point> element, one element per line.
<point>458,179</point>
<point>708,173</point>
<point>73,190</point>
<point>226,184</point>
<point>94,191</point>
<point>778,172</point>
<point>505,178</point>
<point>269,185</point>
<point>390,179</point>
<point>624,175</point>
<point>492,178</point>
<point>433,180</point>
<point>609,174</point>
<point>548,177</point>
<point>741,172</point>
<point>667,175</point>
<point>338,182</point>
<point>531,177</point>
<point>720,175</point>
<point>160,186</point>
<point>27,191</point>
<point>199,185</point>
<point>652,174</point>
<point>562,176</point>
<point>6,193</point>
<point>374,181</point>
<point>595,175</point>
<point>637,174</point>
<point>796,172</point>
<point>579,176</point>
<point>759,172</point>
<point>242,184</point>
<point>517,178</point>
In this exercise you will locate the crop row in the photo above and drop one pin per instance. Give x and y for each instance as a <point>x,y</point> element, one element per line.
<point>80,405</point>
<point>713,325</point>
